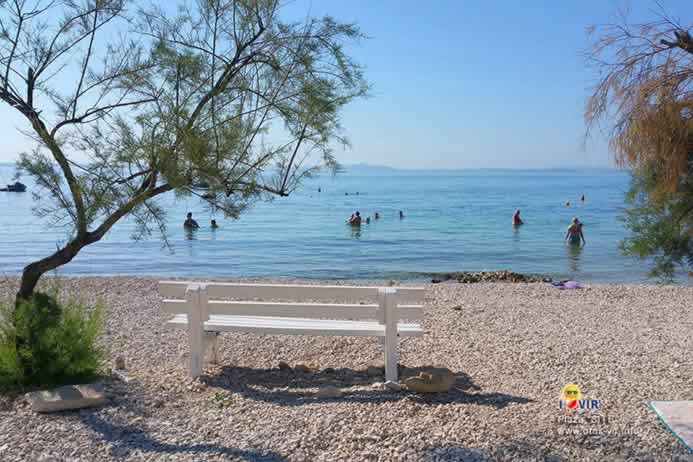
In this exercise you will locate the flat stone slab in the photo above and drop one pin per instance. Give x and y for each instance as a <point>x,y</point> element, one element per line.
<point>677,416</point>
<point>66,398</point>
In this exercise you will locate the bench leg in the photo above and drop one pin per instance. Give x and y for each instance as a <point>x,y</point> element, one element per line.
<point>389,303</point>
<point>196,353</point>
<point>196,334</point>
<point>391,358</point>
<point>211,346</point>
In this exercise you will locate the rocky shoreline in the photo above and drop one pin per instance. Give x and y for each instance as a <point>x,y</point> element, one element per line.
<point>511,348</point>
<point>471,277</point>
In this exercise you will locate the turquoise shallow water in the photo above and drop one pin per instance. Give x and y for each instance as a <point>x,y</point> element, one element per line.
<point>454,221</point>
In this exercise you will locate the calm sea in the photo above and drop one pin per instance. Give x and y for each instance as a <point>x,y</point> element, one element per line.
<point>454,221</point>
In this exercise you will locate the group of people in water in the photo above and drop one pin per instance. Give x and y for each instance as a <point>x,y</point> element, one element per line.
<point>190,224</point>
<point>573,236</point>
<point>356,220</point>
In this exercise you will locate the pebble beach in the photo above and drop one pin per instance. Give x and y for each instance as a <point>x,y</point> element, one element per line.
<point>512,347</point>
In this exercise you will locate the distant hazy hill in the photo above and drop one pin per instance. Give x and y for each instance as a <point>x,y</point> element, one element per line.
<point>363,168</point>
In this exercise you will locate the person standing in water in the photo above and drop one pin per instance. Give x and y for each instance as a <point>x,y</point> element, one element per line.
<point>401,214</point>
<point>517,221</point>
<point>190,223</point>
<point>355,219</point>
<point>214,224</point>
<point>574,233</point>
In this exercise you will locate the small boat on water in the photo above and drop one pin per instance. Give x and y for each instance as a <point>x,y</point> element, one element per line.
<point>16,187</point>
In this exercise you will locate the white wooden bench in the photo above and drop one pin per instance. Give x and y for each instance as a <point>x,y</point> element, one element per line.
<point>207,308</point>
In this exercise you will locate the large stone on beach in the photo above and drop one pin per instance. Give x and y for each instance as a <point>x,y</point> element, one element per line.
<point>66,398</point>
<point>284,366</point>
<point>432,380</point>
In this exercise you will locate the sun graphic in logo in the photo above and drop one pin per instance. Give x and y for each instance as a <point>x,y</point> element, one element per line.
<point>570,394</point>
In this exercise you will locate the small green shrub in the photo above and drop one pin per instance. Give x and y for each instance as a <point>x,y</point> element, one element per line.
<point>45,343</point>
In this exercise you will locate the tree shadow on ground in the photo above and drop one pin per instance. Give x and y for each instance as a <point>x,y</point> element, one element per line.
<point>553,446</point>
<point>510,450</point>
<point>126,438</point>
<point>290,388</point>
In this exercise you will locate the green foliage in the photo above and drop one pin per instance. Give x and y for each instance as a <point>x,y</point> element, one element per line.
<point>45,343</point>
<point>661,226</point>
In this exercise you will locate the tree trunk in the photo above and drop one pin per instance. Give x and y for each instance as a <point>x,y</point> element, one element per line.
<point>33,271</point>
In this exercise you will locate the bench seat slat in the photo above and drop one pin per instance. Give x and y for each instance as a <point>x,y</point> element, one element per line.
<point>296,326</point>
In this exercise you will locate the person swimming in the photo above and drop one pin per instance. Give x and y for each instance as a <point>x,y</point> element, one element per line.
<point>189,222</point>
<point>517,221</point>
<point>401,214</point>
<point>355,219</point>
<point>214,224</point>
<point>582,198</point>
<point>376,215</point>
<point>567,203</point>
<point>574,233</point>
<point>368,220</point>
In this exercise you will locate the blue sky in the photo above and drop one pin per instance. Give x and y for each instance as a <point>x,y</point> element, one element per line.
<point>464,84</point>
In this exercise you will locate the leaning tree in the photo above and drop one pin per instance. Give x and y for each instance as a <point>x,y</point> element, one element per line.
<point>644,93</point>
<point>126,102</point>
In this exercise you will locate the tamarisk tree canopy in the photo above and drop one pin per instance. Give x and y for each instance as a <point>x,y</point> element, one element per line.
<point>126,101</point>
<point>645,94</point>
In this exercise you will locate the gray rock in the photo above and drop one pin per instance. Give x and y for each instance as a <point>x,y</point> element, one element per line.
<point>394,386</point>
<point>432,380</point>
<point>66,398</point>
<point>120,375</point>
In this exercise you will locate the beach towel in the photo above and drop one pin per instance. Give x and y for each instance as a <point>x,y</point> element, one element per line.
<point>566,285</point>
<point>677,417</point>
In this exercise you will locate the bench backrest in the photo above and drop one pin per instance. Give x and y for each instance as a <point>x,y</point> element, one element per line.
<point>292,300</point>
